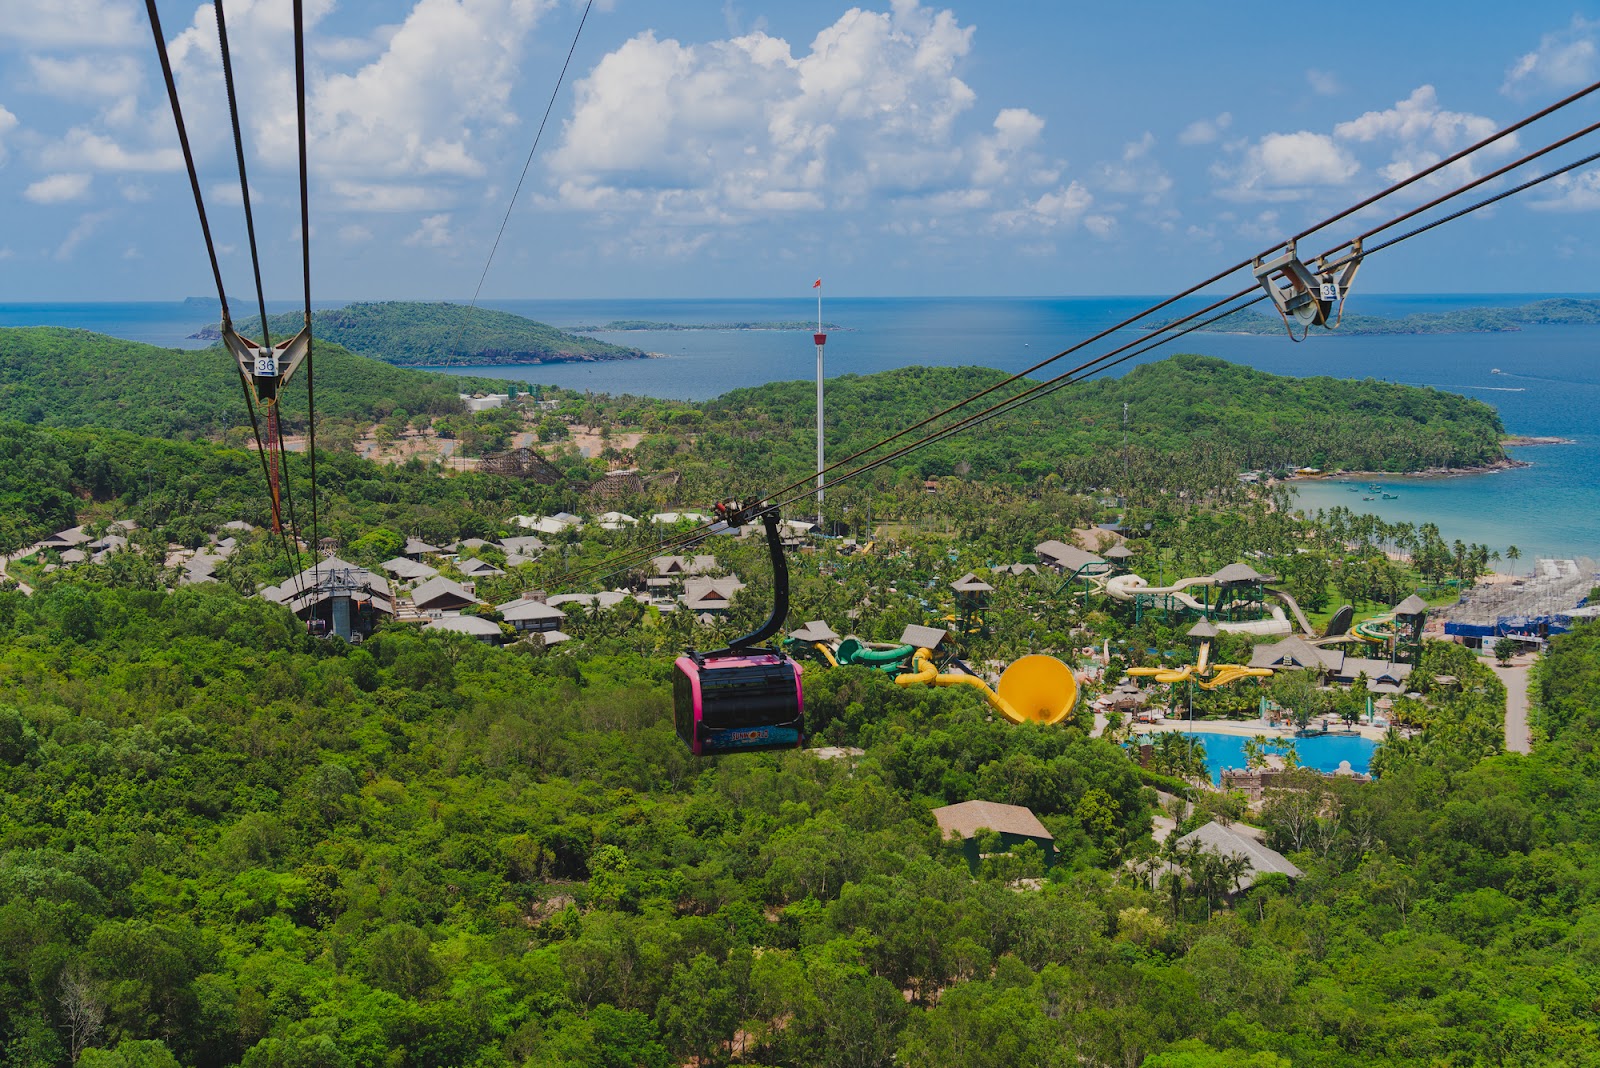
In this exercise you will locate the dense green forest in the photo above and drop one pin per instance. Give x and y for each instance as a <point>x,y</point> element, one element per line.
<point>1557,311</point>
<point>191,488</point>
<point>57,377</point>
<point>1193,407</point>
<point>224,843</point>
<point>417,334</point>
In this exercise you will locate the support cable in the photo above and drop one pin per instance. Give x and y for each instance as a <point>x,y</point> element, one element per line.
<point>1105,361</point>
<point>205,228</point>
<point>305,270</point>
<point>1130,321</point>
<point>244,182</point>
<point>554,92</point>
<point>276,461</point>
<point>1064,381</point>
<point>278,456</point>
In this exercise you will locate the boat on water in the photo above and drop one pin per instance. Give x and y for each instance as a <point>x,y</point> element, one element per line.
<point>1391,496</point>
<point>1496,371</point>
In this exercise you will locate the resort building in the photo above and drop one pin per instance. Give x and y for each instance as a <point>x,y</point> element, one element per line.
<point>484,630</point>
<point>440,595</point>
<point>710,596</point>
<point>1232,842</point>
<point>1059,556</point>
<point>529,614</point>
<point>1013,823</point>
<point>403,569</point>
<point>1296,654</point>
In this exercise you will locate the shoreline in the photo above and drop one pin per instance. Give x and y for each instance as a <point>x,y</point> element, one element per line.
<point>1507,464</point>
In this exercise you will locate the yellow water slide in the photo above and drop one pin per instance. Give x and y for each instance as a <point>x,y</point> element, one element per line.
<point>1034,689</point>
<point>1218,674</point>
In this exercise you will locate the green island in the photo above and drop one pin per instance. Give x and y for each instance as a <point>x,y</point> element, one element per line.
<point>422,334</point>
<point>618,325</point>
<point>225,841</point>
<point>1557,311</point>
<point>57,377</point>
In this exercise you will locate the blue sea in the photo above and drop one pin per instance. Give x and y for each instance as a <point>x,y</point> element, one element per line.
<point>1549,380</point>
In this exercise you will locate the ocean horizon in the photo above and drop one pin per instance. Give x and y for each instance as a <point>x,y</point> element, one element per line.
<point>1544,381</point>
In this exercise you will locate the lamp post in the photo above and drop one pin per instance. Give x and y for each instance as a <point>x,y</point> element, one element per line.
<point>821,340</point>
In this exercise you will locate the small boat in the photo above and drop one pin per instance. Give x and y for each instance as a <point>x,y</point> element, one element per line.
<point>1496,371</point>
<point>1368,498</point>
<point>1355,489</point>
<point>1391,496</point>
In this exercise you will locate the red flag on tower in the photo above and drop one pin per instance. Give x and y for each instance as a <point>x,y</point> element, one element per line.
<point>817,284</point>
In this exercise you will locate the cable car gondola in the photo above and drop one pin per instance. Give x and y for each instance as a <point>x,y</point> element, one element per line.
<point>743,698</point>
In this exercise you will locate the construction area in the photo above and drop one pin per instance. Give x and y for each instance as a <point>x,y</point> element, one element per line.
<point>1549,601</point>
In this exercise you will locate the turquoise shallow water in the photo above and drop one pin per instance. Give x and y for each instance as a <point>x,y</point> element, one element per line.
<point>1549,385</point>
<point>1323,752</point>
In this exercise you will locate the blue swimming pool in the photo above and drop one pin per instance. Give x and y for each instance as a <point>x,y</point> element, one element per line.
<point>1323,752</point>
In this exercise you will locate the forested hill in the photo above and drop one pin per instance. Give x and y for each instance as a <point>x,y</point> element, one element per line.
<point>57,377</point>
<point>420,334</point>
<point>1561,311</point>
<point>1182,405</point>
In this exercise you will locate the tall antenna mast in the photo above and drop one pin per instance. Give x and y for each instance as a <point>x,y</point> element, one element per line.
<point>821,340</point>
<point>1124,454</point>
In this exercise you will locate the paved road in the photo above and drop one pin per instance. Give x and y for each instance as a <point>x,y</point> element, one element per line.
<point>1516,679</point>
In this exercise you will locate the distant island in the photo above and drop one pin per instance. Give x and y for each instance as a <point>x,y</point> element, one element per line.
<point>617,325</point>
<point>1560,311</point>
<point>421,334</point>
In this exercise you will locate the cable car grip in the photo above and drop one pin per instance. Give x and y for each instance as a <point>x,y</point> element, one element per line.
<point>732,513</point>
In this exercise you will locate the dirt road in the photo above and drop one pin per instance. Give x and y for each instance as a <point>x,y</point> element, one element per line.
<point>1516,679</point>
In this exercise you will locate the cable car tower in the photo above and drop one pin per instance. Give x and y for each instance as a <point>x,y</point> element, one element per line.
<point>265,369</point>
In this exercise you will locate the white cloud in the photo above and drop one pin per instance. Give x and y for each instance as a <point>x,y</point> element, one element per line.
<point>72,23</point>
<point>1015,130</point>
<point>1425,133</point>
<point>83,77</point>
<point>87,225</point>
<point>135,192</point>
<point>1101,226</point>
<point>6,253</point>
<point>1324,83</point>
<point>1565,59</point>
<point>59,188</point>
<point>384,197</point>
<point>1286,166</point>
<point>722,131</point>
<point>433,233</point>
<point>354,234</point>
<point>1135,174</point>
<point>1205,131</point>
<point>437,91</point>
<point>8,122</point>
<point>83,147</point>
<point>1061,207</point>
<point>1572,192</point>
<point>1417,118</point>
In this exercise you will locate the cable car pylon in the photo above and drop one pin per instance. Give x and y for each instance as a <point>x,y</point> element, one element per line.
<point>267,368</point>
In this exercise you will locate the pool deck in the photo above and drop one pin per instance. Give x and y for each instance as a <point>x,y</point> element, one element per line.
<point>1249,728</point>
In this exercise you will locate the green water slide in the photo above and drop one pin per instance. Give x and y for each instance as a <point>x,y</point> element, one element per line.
<point>891,658</point>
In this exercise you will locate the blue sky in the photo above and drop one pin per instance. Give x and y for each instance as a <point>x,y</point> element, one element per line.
<point>737,149</point>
